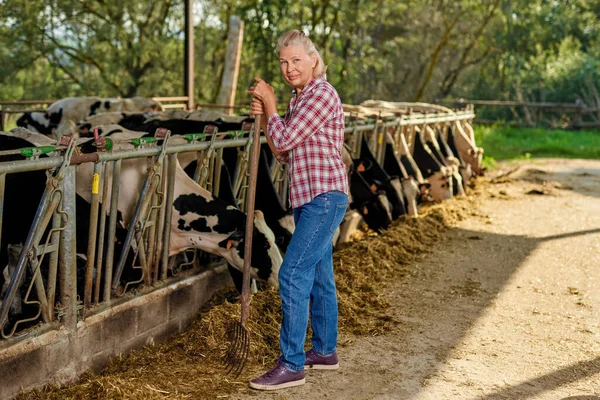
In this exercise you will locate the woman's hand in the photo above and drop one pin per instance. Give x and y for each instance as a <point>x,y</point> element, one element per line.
<point>257,107</point>
<point>262,90</point>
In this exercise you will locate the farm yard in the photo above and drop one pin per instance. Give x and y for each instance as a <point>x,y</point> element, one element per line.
<point>496,300</point>
<point>179,179</point>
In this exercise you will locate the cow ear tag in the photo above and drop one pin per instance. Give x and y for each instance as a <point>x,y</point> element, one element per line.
<point>229,244</point>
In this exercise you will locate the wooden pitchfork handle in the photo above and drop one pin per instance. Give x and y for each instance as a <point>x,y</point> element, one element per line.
<point>251,195</point>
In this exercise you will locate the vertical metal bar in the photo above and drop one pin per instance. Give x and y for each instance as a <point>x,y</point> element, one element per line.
<point>168,214</point>
<point>152,235</point>
<point>161,220</point>
<point>102,230</point>
<point>218,166</point>
<point>2,186</point>
<point>189,53</point>
<point>68,264</point>
<point>91,245</point>
<point>52,273</point>
<point>112,225</point>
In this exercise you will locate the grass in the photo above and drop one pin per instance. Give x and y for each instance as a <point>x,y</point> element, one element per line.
<point>508,143</point>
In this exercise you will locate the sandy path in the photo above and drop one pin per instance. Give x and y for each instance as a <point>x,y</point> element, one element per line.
<point>508,307</point>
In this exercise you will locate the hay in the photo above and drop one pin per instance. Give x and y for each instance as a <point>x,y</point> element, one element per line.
<point>189,364</point>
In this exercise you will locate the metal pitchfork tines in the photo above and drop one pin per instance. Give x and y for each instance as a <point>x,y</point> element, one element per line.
<point>236,357</point>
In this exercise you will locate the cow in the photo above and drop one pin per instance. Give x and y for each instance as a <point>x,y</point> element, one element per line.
<point>410,186</point>
<point>199,220</point>
<point>20,205</point>
<point>467,149</point>
<point>448,149</point>
<point>178,122</point>
<point>379,179</point>
<point>61,116</point>
<point>409,164</point>
<point>451,163</point>
<point>437,174</point>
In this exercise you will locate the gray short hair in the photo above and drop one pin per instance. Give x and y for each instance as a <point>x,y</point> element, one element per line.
<point>298,38</point>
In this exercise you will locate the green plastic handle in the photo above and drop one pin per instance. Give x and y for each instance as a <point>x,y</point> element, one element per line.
<point>191,137</point>
<point>140,141</point>
<point>36,151</point>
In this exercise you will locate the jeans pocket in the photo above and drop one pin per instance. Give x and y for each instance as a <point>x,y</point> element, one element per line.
<point>338,216</point>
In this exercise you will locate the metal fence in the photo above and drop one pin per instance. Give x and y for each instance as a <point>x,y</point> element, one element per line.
<point>88,284</point>
<point>530,114</point>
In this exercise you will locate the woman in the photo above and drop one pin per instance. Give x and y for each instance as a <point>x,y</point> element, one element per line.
<point>309,138</point>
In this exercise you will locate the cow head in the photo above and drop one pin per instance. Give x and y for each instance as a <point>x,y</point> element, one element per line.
<point>468,151</point>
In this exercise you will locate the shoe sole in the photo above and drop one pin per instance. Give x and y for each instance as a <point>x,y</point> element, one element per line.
<point>322,366</point>
<point>276,387</point>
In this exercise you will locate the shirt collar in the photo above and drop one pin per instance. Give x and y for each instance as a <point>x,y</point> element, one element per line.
<point>310,84</point>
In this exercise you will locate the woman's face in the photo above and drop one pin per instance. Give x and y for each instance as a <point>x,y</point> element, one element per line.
<point>297,65</point>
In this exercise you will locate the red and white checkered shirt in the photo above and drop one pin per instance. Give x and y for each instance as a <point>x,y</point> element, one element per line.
<point>310,138</point>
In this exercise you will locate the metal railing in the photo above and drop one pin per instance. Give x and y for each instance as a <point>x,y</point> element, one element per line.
<point>148,231</point>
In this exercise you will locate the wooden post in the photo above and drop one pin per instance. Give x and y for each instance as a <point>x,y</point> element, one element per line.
<point>232,64</point>
<point>189,54</point>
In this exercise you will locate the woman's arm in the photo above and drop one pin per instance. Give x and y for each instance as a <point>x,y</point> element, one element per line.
<point>257,108</point>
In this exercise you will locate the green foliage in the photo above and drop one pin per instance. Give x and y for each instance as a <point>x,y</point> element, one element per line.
<point>414,50</point>
<point>505,143</point>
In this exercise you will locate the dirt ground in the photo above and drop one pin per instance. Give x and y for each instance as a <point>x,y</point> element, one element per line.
<point>507,307</point>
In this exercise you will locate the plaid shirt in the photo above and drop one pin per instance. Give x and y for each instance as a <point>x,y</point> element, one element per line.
<point>310,138</point>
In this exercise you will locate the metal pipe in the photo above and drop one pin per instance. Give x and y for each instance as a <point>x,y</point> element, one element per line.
<point>2,186</point>
<point>168,214</point>
<point>53,270</point>
<point>161,220</point>
<point>52,162</point>
<point>112,226</point>
<point>68,265</point>
<point>101,233</point>
<point>217,179</point>
<point>93,230</point>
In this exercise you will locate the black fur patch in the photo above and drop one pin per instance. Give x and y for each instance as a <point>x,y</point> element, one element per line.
<point>94,107</point>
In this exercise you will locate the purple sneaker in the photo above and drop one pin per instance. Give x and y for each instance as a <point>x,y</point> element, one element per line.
<point>316,361</point>
<point>278,378</point>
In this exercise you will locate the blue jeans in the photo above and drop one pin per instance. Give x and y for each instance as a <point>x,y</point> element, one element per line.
<point>306,278</point>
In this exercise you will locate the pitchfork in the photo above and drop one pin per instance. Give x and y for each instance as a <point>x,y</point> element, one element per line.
<point>236,357</point>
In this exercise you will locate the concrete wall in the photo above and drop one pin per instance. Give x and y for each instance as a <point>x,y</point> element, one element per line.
<point>60,356</point>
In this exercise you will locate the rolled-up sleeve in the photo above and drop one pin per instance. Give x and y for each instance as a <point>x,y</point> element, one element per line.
<point>313,112</point>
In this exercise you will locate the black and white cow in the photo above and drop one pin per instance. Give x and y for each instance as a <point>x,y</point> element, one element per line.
<point>449,150</point>
<point>178,122</point>
<point>61,116</point>
<point>467,149</point>
<point>377,176</point>
<point>410,186</point>
<point>199,219</point>
<point>438,175</point>
<point>20,205</point>
<point>452,164</point>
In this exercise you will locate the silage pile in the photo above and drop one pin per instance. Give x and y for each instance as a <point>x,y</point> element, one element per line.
<point>189,365</point>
